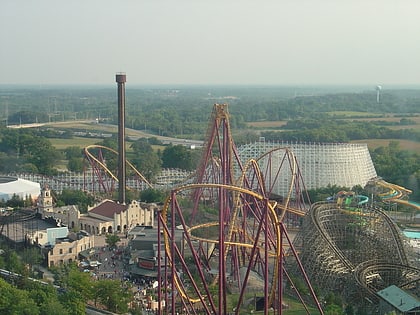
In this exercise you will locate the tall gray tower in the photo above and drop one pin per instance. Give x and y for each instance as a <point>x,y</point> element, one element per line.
<point>121,79</point>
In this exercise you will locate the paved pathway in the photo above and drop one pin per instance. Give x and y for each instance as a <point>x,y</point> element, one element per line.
<point>112,266</point>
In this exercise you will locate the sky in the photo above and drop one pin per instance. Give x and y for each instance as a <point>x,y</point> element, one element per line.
<point>238,42</point>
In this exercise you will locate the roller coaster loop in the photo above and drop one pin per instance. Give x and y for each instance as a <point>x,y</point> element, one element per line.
<point>99,165</point>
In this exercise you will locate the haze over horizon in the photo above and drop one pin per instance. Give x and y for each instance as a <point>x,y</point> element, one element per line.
<point>219,42</point>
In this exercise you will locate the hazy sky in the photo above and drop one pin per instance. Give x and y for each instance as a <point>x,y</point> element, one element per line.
<point>210,41</point>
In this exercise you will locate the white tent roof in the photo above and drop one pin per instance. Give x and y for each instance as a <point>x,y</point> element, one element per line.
<point>23,188</point>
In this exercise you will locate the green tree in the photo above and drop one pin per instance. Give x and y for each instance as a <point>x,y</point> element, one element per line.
<point>112,240</point>
<point>78,288</point>
<point>79,198</point>
<point>31,256</point>
<point>75,164</point>
<point>177,156</point>
<point>73,302</point>
<point>146,161</point>
<point>15,202</point>
<point>13,261</point>
<point>30,148</point>
<point>333,309</point>
<point>73,152</point>
<point>14,301</point>
<point>152,195</point>
<point>112,295</point>
<point>46,297</point>
<point>398,166</point>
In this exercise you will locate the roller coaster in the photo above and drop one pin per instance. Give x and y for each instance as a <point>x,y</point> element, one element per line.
<point>234,231</point>
<point>236,250</point>
<point>103,174</point>
<point>233,223</point>
<point>358,254</point>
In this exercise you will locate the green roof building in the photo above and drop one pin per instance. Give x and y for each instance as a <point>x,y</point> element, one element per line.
<point>397,300</point>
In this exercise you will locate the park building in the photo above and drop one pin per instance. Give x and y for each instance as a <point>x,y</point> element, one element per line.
<point>106,217</point>
<point>70,248</point>
<point>60,246</point>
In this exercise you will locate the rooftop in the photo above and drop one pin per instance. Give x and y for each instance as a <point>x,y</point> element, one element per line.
<point>108,208</point>
<point>399,299</point>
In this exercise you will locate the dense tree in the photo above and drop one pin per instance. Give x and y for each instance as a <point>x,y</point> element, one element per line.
<point>152,195</point>
<point>14,301</point>
<point>13,262</point>
<point>110,293</point>
<point>178,156</point>
<point>27,117</point>
<point>79,198</point>
<point>327,130</point>
<point>29,148</point>
<point>31,256</point>
<point>76,164</point>
<point>73,152</point>
<point>398,166</point>
<point>146,159</point>
<point>321,194</point>
<point>77,288</point>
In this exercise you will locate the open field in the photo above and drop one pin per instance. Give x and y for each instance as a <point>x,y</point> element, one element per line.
<point>350,116</point>
<point>389,118</point>
<point>61,144</point>
<point>267,124</point>
<point>404,144</point>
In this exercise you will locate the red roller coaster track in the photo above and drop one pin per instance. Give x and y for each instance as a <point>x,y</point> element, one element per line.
<point>231,252</point>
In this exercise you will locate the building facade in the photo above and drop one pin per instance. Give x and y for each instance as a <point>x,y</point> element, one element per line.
<point>106,217</point>
<point>67,249</point>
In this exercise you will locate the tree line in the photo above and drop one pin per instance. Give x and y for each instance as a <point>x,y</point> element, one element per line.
<point>26,150</point>
<point>326,130</point>
<point>184,112</point>
<point>20,294</point>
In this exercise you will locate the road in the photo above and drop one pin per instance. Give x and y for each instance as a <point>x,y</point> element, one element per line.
<point>93,126</point>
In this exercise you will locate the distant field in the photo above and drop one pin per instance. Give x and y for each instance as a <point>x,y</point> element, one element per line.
<point>355,116</point>
<point>351,114</point>
<point>388,118</point>
<point>267,124</point>
<point>404,144</point>
<point>93,127</point>
<point>391,118</point>
<point>61,144</point>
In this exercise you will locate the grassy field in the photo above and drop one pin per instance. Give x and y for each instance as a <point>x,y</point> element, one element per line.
<point>266,124</point>
<point>61,144</point>
<point>404,144</point>
<point>351,114</point>
<point>408,145</point>
<point>354,116</point>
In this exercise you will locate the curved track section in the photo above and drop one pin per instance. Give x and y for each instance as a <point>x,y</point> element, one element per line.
<point>345,249</point>
<point>374,276</point>
<point>104,176</point>
<point>228,257</point>
<point>278,170</point>
<point>231,251</point>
